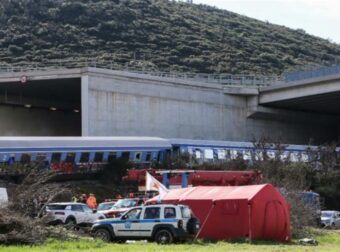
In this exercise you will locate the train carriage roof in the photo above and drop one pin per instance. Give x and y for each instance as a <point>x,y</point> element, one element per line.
<point>17,143</point>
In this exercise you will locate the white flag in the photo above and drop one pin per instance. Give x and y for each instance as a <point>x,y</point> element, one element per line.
<point>153,184</point>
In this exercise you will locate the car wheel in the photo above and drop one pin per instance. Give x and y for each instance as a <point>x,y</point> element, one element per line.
<point>193,226</point>
<point>164,236</point>
<point>103,235</point>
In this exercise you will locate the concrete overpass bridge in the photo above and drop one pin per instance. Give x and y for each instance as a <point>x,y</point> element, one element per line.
<point>310,98</point>
<point>99,100</point>
<point>318,94</point>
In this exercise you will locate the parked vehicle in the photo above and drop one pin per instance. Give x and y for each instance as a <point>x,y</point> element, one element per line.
<point>106,205</point>
<point>161,223</point>
<point>120,207</point>
<point>72,213</point>
<point>330,219</point>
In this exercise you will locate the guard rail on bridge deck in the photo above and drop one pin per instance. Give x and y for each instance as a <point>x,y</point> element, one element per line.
<point>312,73</point>
<point>224,79</point>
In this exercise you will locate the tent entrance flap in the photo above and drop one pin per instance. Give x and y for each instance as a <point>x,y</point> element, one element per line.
<point>274,222</point>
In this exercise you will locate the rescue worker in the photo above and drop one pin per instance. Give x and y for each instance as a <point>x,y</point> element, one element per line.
<point>74,199</point>
<point>92,201</point>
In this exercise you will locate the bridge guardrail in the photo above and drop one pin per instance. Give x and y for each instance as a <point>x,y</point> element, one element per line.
<point>224,79</point>
<point>311,73</point>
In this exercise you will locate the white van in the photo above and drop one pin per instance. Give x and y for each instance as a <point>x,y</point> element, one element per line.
<point>3,197</point>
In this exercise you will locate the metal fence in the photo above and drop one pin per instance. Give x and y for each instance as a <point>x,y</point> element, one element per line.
<point>225,79</point>
<point>312,73</point>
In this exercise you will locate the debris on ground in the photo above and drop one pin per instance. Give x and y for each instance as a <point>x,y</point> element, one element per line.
<point>308,241</point>
<point>21,222</point>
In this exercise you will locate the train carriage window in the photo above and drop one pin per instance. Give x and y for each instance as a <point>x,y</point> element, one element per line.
<point>246,155</point>
<point>271,154</point>
<point>84,158</point>
<point>190,151</point>
<point>70,157</point>
<point>1,158</point>
<point>112,156</point>
<point>98,157</point>
<point>160,156</point>
<point>148,157</point>
<point>184,150</point>
<point>175,151</point>
<point>208,154</point>
<point>138,156</point>
<point>233,154</point>
<point>25,158</point>
<point>56,157</point>
<point>154,155</point>
<point>10,159</point>
<point>284,156</point>
<point>126,155</point>
<point>294,157</point>
<point>198,154</point>
<point>304,157</point>
<point>221,154</point>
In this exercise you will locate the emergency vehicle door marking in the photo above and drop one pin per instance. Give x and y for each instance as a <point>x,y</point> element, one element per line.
<point>128,224</point>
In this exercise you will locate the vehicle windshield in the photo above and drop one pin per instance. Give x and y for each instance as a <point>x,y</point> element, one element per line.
<point>125,203</point>
<point>87,209</point>
<point>327,214</point>
<point>105,206</point>
<point>134,214</point>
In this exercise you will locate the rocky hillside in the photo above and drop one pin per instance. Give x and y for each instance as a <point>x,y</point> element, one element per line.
<point>159,34</point>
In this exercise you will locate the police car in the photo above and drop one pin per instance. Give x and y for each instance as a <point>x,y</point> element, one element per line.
<point>161,223</point>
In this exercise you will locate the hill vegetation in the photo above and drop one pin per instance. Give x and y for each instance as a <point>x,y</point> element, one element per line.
<point>161,34</point>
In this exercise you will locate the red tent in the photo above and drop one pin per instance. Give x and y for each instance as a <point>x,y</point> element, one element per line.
<point>230,212</point>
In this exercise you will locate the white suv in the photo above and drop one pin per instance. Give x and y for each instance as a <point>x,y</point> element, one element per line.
<point>160,223</point>
<point>72,213</point>
<point>330,219</point>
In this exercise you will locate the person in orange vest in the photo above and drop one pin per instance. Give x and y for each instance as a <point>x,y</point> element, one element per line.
<point>92,201</point>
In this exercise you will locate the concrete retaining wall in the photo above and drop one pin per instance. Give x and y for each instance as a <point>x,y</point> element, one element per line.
<point>127,106</point>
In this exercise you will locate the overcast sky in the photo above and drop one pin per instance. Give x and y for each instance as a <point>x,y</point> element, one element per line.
<point>317,17</point>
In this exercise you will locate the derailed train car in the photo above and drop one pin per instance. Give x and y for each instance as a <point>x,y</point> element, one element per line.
<point>66,153</point>
<point>58,152</point>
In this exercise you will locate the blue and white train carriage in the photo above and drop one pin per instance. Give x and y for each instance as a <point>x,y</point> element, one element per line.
<point>206,150</point>
<point>142,150</point>
<point>82,149</point>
